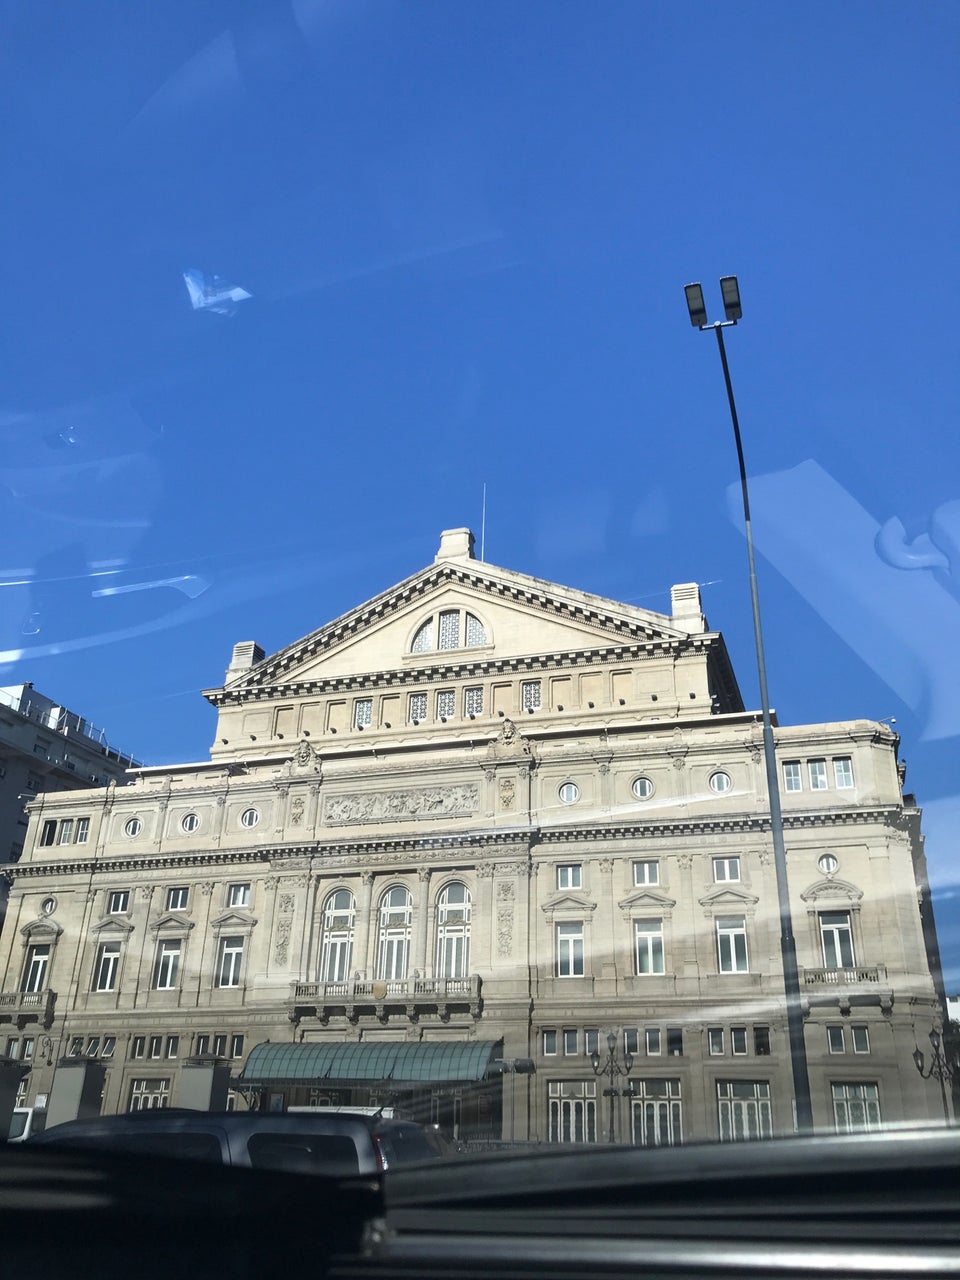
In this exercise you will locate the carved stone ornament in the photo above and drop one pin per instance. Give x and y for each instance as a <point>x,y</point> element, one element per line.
<point>685,861</point>
<point>282,940</point>
<point>605,864</point>
<point>402,806</point>
<point>505,931</point>
<point>296,811</point>
<point>509,742</point>
<point>206,888</point>
<point>286,902</point>
<point>506,891</point>
<point>508,792</point>
<point>146,892</point>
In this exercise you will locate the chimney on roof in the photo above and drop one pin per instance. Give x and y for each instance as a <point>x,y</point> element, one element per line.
<point>686,608</point>
<point>246,654</point>
<point>455,544</point>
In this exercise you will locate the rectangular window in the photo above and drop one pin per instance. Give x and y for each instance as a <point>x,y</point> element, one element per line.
<point>230,962</point>
<point>238,895</point>
<point>155,1049</point>
<point>417,710</point>
<point>732,944</point>
<point>76,1047</point>
<point>35,968</point>
<point>166,967</point>
<point>651,1042</point>
<point>83,830</point>
<point>13,1048</point>
<point>674,1042</point>
<point>362,713</point>
<point>646,872</point>
<point>569,876</point>
<point>549,1043</point>
<point>570,950</point>
<point>530,695</point>
<point>48,832</point>
<point>173,1046</point>
<point>107,967</point>
<point>843,772</point>
<point>138,1046</point>
<point>236,1046</point>
<point>93,1046</point>
<point>738,1040</point>
<point>655,1112</point>
<point>761,1041</point>
<point>856,1107</point>
<point>109,1046</point>
<point>648,935</point>
<point>571,1041</point>
<point>792,776</point>
<point>177,898</point>
<point>220,1046</point>
<point>149,1095</point>
<point>591,1040</point>
<point>66,832</point>
<point>573,1110</point>
<point>446,704</point>
<point>725,869</point>
<point>744,1110</point>
<point>835,1039</point>
<point>817,773</point>
<point>473,701</point>
<point>836,938</point>
<point>34,783</point>
<point>449,629</point>
<point>861,1039</point>
<point>119,902</point>
<point>631,1040</point>
<point>715,1041</point>
<point>203,1045</point>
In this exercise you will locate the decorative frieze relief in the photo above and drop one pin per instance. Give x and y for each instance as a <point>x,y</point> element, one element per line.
<point>462,799</point>
<point>281,943</point>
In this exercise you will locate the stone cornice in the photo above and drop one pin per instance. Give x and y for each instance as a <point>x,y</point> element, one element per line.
<point>463,668</point>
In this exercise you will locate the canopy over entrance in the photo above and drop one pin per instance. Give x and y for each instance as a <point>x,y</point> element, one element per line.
<point>456,1062</point>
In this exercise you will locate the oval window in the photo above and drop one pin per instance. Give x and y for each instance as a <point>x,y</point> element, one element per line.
<point>828,864</point>
<point>132,827</point>
<point>569,793</point>
<point>48,906</point>
<point>720,782</point>
<point>189,822</point>
<point>642,788</point>
<point>249,818</point>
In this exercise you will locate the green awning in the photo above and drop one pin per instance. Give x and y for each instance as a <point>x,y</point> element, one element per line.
<point>298,1064</point>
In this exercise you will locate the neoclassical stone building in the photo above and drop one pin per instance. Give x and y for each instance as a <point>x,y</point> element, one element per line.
<point>448,844</point>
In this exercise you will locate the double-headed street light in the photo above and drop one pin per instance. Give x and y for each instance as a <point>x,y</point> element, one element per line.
<point>940,1068</point>
<point>730,291</point>
<point>611,1067</point>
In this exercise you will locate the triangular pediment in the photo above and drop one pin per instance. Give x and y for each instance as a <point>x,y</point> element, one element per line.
<point>173,924</point>
<point>115,926</point>
<point>646,899</point>
<point>824,891</point>
<point>233,920</point>
<point>728,896</point>
<point>568,900</point>
<point>516,616</point>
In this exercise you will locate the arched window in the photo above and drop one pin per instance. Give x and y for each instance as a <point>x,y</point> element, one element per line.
<point>336,952</point>
<point>453,931</point>
<point>451,629</point>
<point>393,942</point>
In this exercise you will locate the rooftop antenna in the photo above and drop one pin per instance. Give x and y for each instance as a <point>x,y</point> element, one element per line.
<point>483,522</point>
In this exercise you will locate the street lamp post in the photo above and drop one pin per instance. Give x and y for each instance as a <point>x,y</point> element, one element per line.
<point>730,291</point>
<point>611,1067</point>
<point>940,1068</point>
<point>514,1067</point>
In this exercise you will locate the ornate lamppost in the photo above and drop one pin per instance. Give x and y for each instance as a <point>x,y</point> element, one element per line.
<point>612,1068</point>
<point>941,1068</point>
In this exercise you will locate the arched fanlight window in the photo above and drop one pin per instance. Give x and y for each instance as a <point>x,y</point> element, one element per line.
<point>453,931</point>
<point>336,951</point>
<point>450,629</point>
<point>393,941</point>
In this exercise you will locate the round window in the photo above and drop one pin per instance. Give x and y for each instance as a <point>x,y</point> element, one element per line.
<point>249,817</point>
<point>48,906</point>
<point>569,793</point>
<point>132,827</point>
<point>720,782</point>
<point>642,788</point>
<point>828,864</point>
<point>190,822</point>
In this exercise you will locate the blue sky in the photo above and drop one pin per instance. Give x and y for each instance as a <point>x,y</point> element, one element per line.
<point>466,231</point>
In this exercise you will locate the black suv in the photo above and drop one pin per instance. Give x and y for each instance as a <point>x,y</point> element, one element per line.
<point>333,1144</point>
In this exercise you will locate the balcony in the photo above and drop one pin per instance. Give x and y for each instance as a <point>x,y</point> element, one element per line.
<point>23,1007</point>
<point>409,996</point>
<point>860,984</point>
